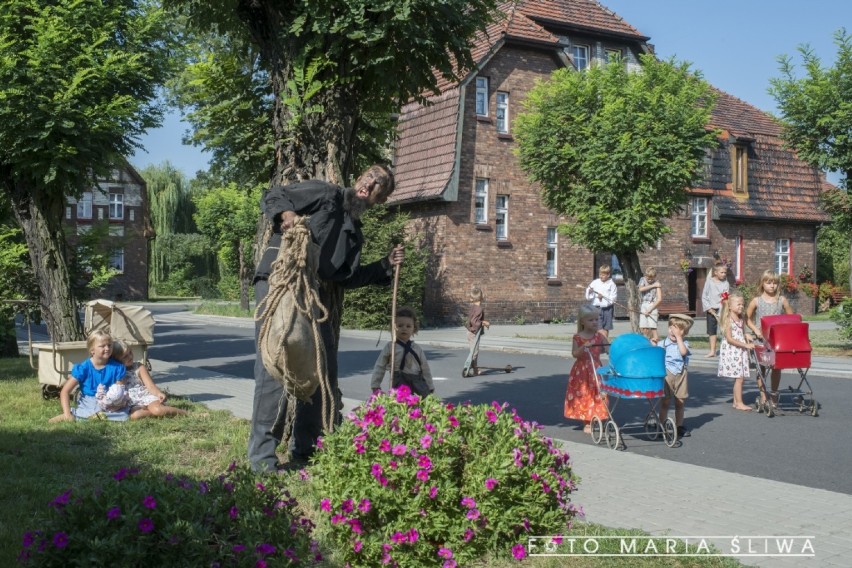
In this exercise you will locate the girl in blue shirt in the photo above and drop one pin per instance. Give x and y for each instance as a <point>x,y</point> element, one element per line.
<point>99,369</point>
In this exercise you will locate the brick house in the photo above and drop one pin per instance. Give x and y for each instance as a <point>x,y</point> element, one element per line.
<point>121,201</point>
<point>483,221</point>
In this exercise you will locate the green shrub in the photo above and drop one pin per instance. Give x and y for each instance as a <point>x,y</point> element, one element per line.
<point>370,307</point>
<point>143,520</point>
<point>419,483</point>
<point>842,316</point>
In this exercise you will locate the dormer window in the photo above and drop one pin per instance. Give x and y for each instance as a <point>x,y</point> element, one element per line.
<point>739,168</point>
<point>580,54</point>
<point>612,55</point>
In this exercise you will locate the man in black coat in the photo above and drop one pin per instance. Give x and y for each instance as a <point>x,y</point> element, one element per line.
<point>335,227</point>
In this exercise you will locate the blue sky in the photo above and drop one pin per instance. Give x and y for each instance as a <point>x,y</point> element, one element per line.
<point>734,43</point>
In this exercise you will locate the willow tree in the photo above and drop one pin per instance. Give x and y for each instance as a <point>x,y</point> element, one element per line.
<point>170,207</point>
<point>616,152</point>
<point>78,86</point>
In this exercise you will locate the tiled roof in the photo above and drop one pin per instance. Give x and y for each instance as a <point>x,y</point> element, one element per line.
<point>523,20</point>
<point>780,185</point>
<point>425,151</point>
<point>740,118</point>
<point>587,14</point>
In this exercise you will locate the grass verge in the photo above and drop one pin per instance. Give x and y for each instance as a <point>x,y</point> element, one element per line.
<point>227,309</point>
<point>40,460</point>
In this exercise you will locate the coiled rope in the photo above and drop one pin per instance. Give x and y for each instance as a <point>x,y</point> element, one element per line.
<point>293,273</point>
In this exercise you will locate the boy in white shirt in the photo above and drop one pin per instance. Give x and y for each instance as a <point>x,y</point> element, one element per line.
<point>602,292</point>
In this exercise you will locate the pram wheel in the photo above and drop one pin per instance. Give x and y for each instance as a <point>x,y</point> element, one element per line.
<point>669,432</point>
<point>613,436</point>
<point>758,406</point>
<point>814,408</point>
<point>800,400</point>
<point>50,391</point>
<point>597,430</point>
<point>652,426</point>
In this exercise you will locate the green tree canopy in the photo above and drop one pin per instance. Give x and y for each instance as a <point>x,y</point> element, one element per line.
<point>227,96</point>
<point>78,84</point>
<point>338,67</point>
<point>228,217</point>
<point>817,114</point>
<point>616,151</point>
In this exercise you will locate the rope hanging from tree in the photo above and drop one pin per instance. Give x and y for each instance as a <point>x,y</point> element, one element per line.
<point>289,340</point>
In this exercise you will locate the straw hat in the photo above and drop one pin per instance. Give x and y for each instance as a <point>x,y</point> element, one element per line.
<point>689,321</point>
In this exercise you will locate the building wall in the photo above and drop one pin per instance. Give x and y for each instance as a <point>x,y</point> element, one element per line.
<point>513,273</point>
<point>127,233</point>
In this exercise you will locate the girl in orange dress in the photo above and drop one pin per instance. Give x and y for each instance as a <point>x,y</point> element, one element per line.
<point>583,400</point>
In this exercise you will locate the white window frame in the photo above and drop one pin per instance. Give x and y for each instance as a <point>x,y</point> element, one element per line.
<point>552,252</point>
<point>481,96</point>
<point>699,210</point>
<point>480,201</point>
<point>502,112</point>
<point>611,51</point>
<point>116,260</point>
<point>580,54</point>
<point>783,256</point>
<point>501,217</point>
<point>116,206</point>
<point>84,205</point>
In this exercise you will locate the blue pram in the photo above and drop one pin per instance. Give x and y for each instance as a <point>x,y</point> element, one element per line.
<point>636,370</point>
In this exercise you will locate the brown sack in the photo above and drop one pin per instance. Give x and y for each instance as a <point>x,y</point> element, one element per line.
<point>289,341</point>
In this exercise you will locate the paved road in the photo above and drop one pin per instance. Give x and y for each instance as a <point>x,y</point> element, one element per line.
<point>625,489</point>
<point>795,448</point>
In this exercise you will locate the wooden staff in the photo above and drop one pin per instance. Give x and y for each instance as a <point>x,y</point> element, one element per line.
<point>393,320</point>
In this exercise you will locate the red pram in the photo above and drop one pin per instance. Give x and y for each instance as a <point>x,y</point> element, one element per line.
<point>785,346</point>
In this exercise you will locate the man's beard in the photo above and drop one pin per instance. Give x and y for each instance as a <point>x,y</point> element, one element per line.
<point>353,205</point>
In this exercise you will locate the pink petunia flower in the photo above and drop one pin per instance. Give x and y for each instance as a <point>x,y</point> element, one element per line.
<point>325,504</point>
<point>491,483</point>
<point>149,502</point>
<point>423,474</point>
<point>384,445</point>
<point>114,513</point>
<point>491,416</point>
<point>60,540</point>
<point>146,525</point>
<point>445,553</point>
<point>357,546</point>
<point>519,552</point>
<point>468,502</point>
<point>399,450</point>
<point>364,505</point>
<point>433,492</point>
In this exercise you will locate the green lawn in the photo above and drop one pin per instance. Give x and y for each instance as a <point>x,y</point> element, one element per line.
<point>40,460</point>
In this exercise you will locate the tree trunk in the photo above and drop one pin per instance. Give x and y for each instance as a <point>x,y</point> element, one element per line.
<point>39,215</point>
<point>632,273</point>
<point>850,264</point>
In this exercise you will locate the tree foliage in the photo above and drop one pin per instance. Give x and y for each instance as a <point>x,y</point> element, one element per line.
<point>370,307</point>
<point>817,114</point>
<point>171,208</point>
<point>616,151</point>
<point>78,85</point>
<point>227,216</point>
<point>339,67</point>
<point>226,95</point>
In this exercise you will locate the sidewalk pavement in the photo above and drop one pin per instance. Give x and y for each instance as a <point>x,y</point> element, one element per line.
<point>620,489</point>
